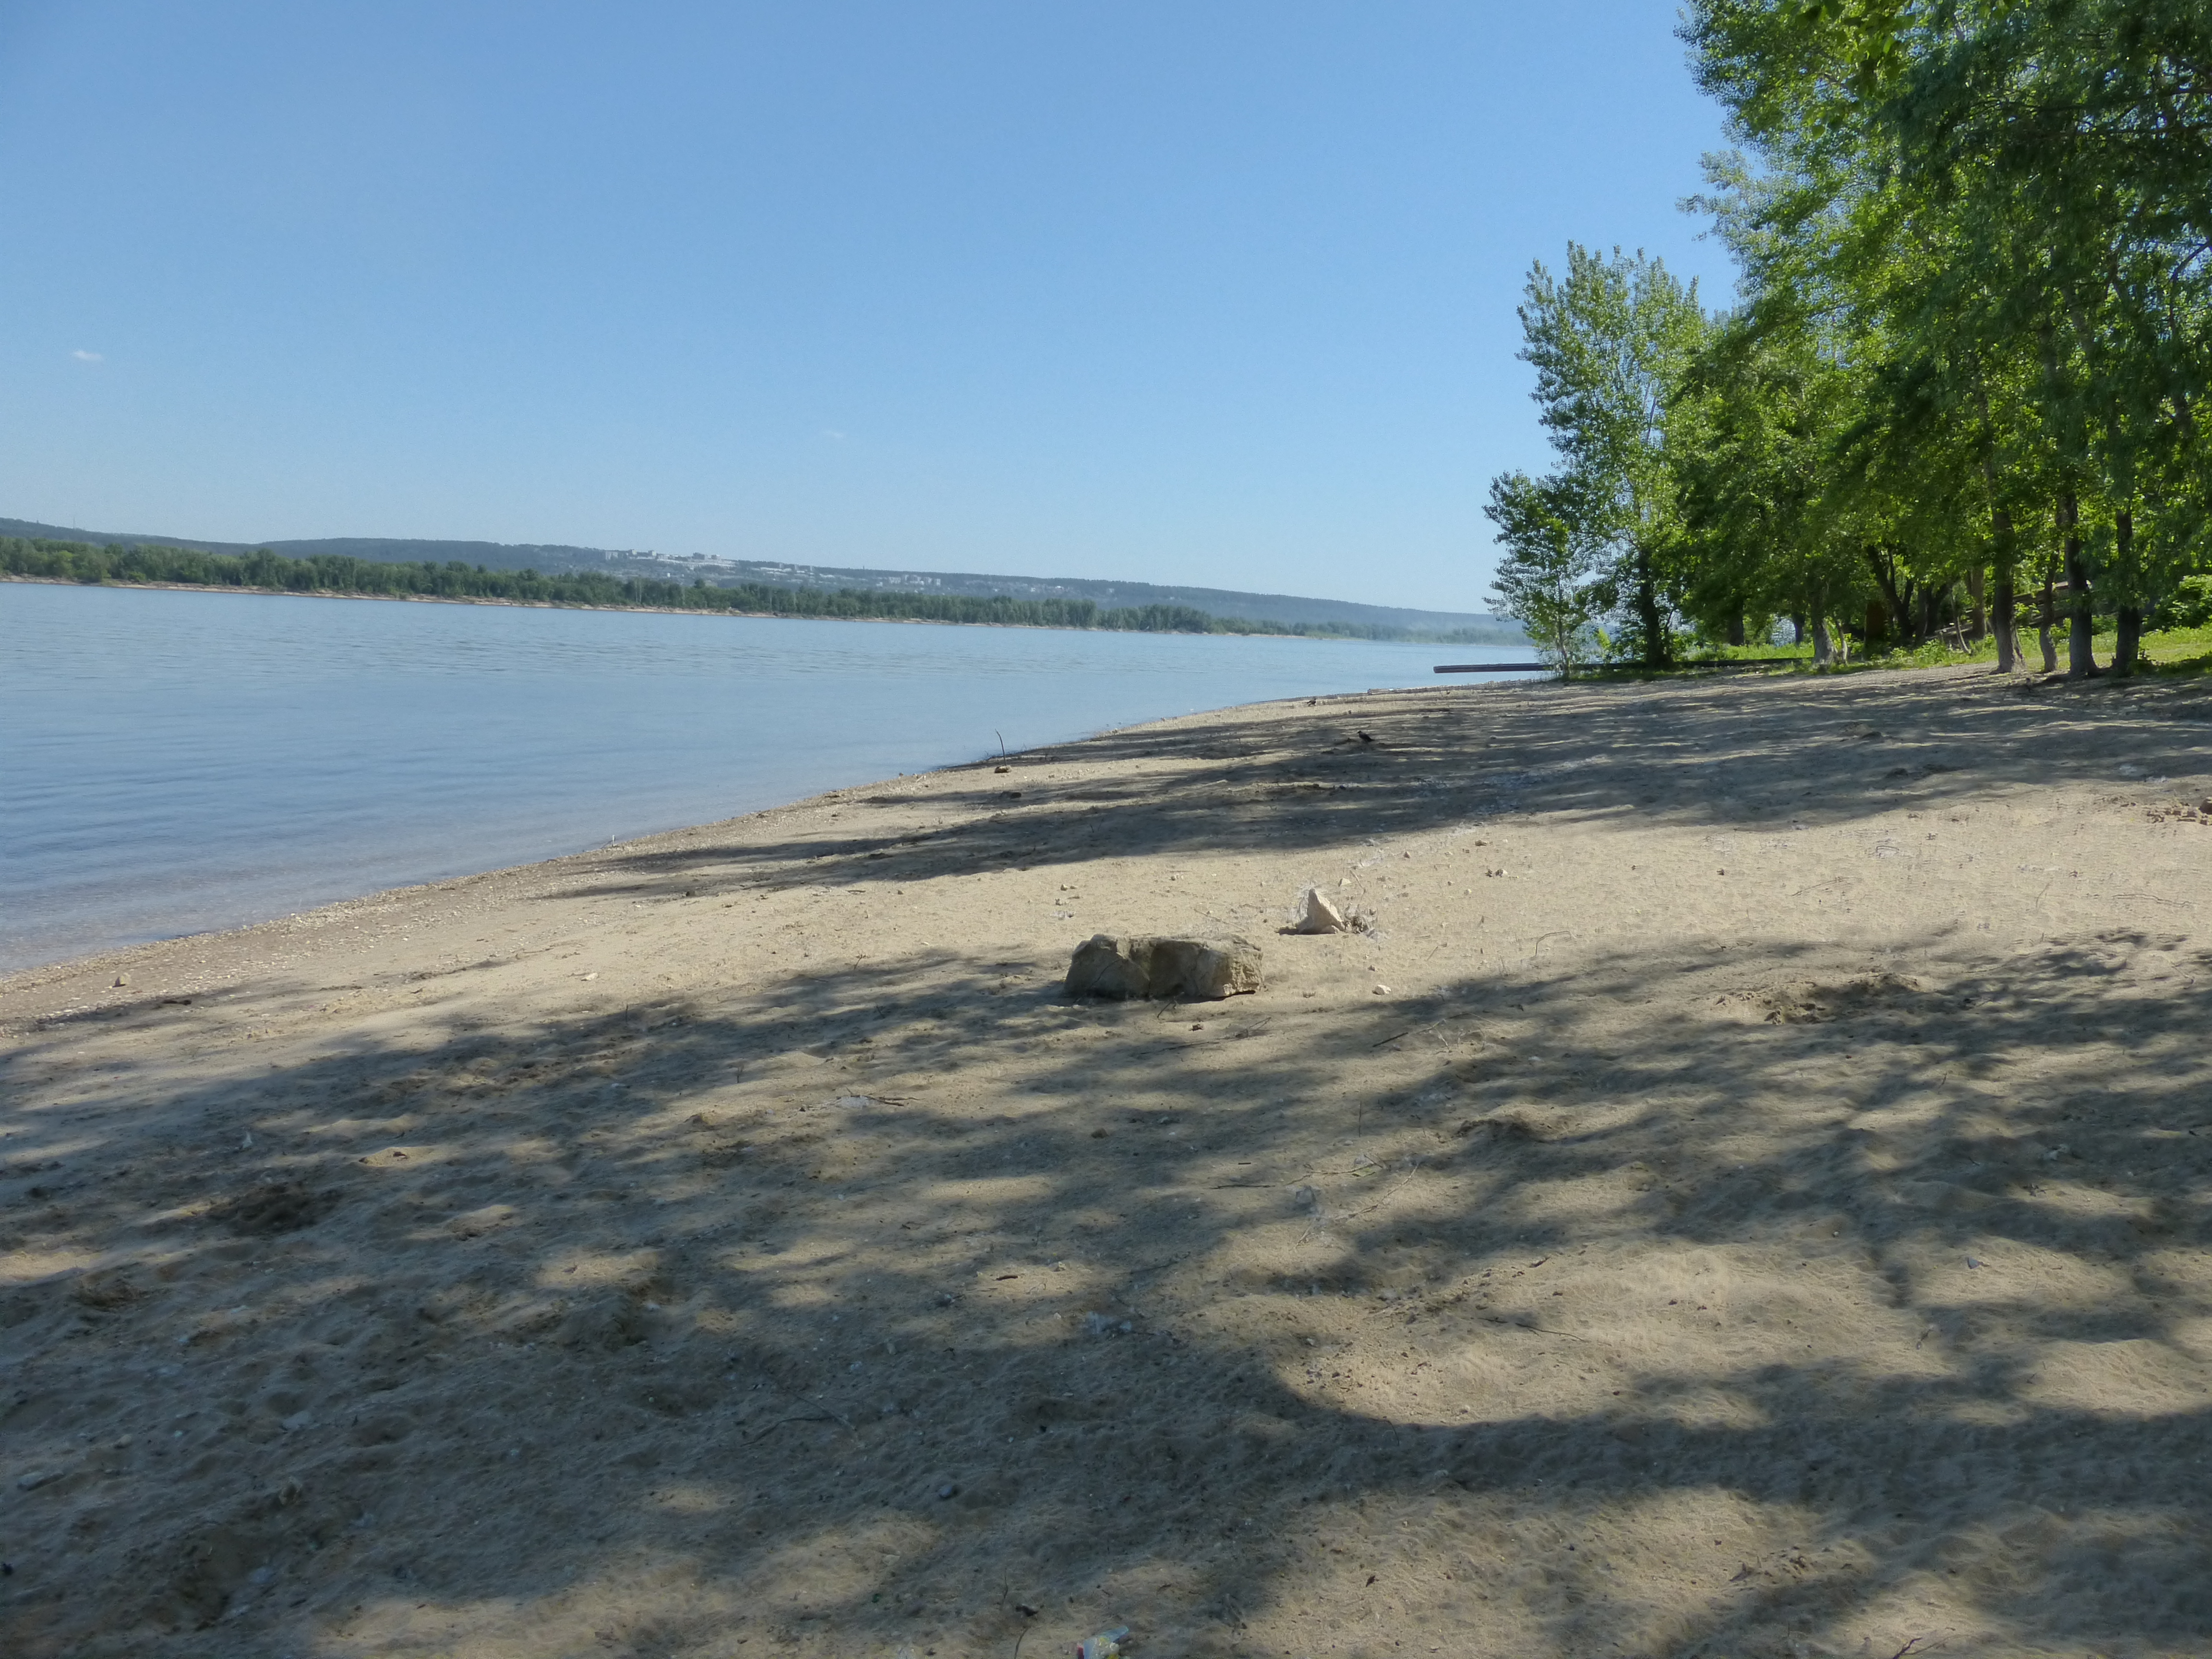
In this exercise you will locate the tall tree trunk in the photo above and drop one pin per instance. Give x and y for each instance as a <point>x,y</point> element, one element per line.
<point>1647,610</point>
<point>2081,660</point>
<point>2043,621</point>
<point>2002,555</point>
<point>2007,607</point>
<point>2127,628</point>
<point>1797,628</point>
<point>1736,626</point>
<point>2127,639</point>
<point>1978,625</point>
<point>1892,603</point>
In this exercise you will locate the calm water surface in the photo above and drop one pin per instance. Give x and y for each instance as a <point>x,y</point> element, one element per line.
<point>175,762</point>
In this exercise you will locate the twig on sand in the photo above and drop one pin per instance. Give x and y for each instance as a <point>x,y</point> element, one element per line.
<point>1431,1028</point>
<point>1412,1168</point>
<point>823,1416</point>
<point>804,1417</point>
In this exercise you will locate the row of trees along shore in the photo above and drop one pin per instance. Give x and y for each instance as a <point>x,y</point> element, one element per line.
<point>267,572</point>
<point>1962,390</point>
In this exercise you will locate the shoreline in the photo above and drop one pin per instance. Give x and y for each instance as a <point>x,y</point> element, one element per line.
<point>124,952</point>
<point>121,958</point>
<point>1740,1096</point>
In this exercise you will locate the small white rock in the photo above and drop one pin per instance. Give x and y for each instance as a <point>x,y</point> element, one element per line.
<point>1317,913</point>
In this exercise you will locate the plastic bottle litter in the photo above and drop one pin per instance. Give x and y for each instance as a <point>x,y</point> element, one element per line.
<point>1107,1644</point>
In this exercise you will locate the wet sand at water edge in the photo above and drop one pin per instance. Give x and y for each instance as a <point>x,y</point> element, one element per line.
<point>1744,1193</point>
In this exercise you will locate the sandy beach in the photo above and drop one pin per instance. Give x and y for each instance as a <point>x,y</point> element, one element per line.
<point>1744,1191</point>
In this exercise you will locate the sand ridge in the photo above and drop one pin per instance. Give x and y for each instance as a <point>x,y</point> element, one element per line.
<point>1744,1191</point>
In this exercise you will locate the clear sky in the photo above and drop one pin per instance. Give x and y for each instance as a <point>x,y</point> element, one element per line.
<point>1190,292</point>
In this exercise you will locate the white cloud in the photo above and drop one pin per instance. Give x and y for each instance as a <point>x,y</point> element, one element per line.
<point>88,356</point>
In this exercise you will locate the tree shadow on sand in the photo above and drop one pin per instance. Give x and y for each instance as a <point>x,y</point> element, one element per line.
<point>1656,1307</point>
<point>1736,756</point>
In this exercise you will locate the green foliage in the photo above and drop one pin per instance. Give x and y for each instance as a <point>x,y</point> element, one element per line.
<point>1608,341</point>
<point>2189,604</point>
<point>1545,581</point>
<point>1759,415</point>
<point>264,571</point>
<point>1967,373</point>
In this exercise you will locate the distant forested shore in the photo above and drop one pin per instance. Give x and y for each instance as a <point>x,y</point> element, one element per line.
<point>264,572</point>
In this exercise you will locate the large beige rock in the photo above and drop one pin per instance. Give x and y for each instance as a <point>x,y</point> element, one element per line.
<point>1194,969</point>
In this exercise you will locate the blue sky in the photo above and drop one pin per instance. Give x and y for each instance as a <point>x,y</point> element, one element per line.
<point>1203,293</point>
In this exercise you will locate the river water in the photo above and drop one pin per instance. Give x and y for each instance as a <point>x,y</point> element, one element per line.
<point>172,761</point>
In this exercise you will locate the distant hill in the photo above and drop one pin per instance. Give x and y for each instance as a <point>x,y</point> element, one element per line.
<point>1471,626</point>
<point>493,556</point>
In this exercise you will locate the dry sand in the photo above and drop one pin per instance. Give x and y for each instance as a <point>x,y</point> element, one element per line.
<point>1746,1194</point>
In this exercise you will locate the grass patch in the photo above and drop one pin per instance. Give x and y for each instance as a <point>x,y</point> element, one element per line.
<point>2177,652</point>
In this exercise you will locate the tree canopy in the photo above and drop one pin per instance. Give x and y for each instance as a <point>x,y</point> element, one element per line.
<point>1960,387</point>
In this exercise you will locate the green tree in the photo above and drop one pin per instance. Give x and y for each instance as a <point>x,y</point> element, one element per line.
<point>1753,446</point>
<point>1544,578</point>
<point>1608,340</point>
<point>2009,198</point>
